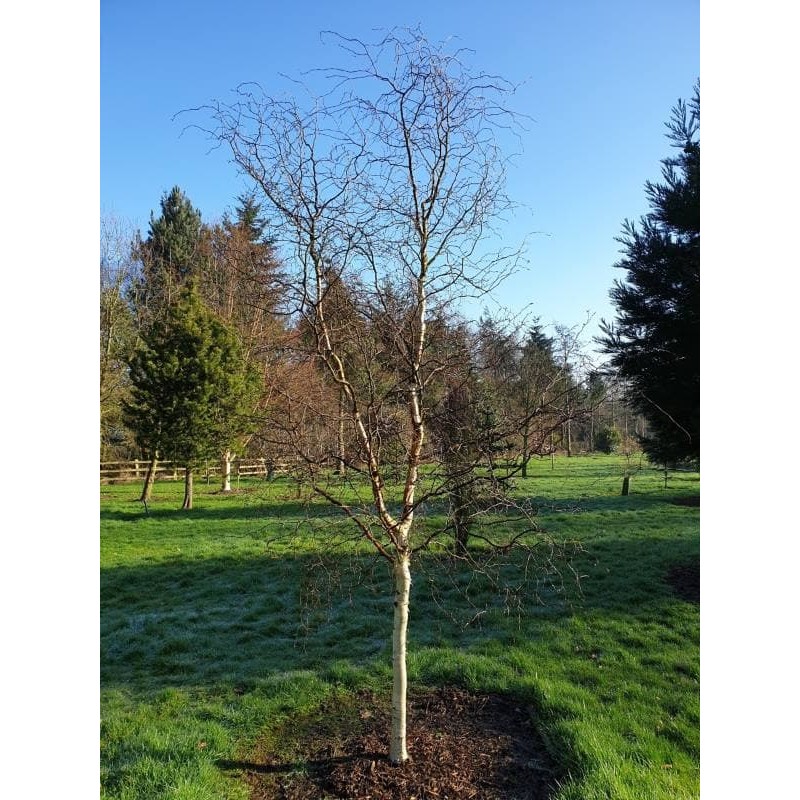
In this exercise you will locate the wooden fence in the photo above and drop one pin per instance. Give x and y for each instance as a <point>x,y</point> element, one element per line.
<point>136,470</point>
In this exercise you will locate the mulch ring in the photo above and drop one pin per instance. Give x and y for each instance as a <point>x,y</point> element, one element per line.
<point>462,746</point>
<point>684,579</point>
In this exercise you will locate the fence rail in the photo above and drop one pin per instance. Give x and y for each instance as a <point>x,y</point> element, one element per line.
<point>121,471</point>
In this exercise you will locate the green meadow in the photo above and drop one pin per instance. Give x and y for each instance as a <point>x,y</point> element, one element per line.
<point>224,625</point>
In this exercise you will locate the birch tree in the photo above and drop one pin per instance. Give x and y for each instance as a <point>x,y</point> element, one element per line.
<point>389,182</point>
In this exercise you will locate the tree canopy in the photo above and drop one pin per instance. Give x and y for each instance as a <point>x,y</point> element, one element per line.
<point>191,387</point>
<point>654,342</point>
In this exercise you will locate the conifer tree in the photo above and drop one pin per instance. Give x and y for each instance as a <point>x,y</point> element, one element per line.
<point>192,388</point>
<point>170,256</point>
<point>654,342</point>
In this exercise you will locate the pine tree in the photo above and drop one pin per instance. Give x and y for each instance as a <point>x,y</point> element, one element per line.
<point>654,342</point>
<point>191,386</point>
<point>171,255</point>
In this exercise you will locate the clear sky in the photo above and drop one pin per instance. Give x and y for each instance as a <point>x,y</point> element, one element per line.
<point>599,80</point>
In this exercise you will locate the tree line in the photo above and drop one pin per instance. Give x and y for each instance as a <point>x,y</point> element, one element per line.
<point>201,359</point>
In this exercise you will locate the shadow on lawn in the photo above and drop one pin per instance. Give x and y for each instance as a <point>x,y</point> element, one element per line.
<point>275,510</point>
<point>636,501</point>
<point>229,621</point>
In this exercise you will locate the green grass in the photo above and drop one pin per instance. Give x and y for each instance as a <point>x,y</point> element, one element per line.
<point>220,624</point>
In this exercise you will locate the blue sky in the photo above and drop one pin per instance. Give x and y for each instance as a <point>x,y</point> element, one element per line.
<point>598,80</point>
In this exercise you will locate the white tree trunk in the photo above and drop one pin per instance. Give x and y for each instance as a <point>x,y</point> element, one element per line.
<point>227,457</point>
<point>398,752</point>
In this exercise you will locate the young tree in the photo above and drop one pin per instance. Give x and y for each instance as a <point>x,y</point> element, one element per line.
<point>171,255</point>
<point>654,342</point>
<point>390,186</point>
<point>191,386</point>
<point>534,391</point>
<point>466,431</point>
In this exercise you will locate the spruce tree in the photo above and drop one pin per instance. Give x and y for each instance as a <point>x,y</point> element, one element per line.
<point>654,342</point>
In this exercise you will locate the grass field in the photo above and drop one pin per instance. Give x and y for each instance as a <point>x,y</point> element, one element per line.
<point>221,625</point>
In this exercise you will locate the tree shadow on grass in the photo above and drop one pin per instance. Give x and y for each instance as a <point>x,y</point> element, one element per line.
<point>188,622</point>
<point>275,510</point>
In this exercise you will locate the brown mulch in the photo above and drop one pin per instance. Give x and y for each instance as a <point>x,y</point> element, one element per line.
<point>462,746</point>
<point>685,580</point>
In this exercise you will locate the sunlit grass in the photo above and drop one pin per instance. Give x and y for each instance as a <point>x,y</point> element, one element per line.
<point>221,622</point>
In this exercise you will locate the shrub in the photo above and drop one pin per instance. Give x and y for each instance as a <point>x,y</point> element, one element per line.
<point>607,440</point>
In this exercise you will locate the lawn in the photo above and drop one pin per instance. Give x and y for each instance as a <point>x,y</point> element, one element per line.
<point>224,627</point>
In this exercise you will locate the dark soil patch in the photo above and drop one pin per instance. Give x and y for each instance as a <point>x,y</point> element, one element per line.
<point>481,747</point>
<point>692,500</point>
<point>685,580</point>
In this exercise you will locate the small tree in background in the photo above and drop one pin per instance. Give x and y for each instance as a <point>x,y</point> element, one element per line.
<point>192,389</point>
<point>608,440</point>
<point>171,255</point>
<point>240,280</point>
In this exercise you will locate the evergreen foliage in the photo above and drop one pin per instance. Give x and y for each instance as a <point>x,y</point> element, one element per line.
<point>608,440</point>
<point>171,255</point>
<point>654,341</point>
<point>248,217</point>
<point>191,386</point>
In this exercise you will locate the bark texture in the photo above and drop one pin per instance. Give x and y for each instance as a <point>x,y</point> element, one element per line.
<point>149,480</point>
<point>398,751</point>
<point>188,486</point>
<point>227,457</point>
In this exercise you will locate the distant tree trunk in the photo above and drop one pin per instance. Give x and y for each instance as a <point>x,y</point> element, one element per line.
<point>149,479</point>
<point>569,437</point>
<point>340,433</point>
<point>187,489</point>
<point>460,512</point>
<point>525,454</point>
<point>398,751</point>
<point>227,457</point>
